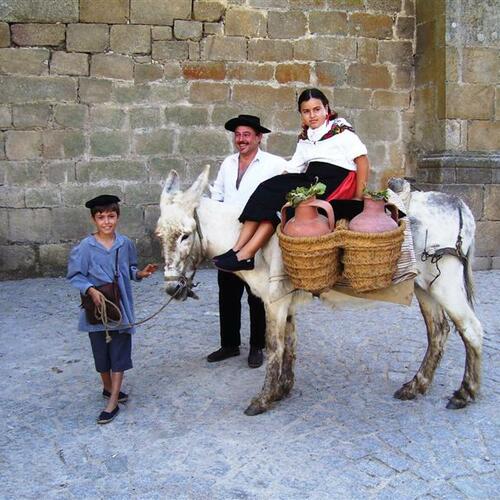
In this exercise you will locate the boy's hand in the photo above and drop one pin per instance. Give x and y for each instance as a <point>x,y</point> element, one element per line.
<point>147,271</point>
<point>94,295</point>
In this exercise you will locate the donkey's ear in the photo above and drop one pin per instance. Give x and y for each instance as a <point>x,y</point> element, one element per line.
<point>199,185</point>
<point>171,186</point>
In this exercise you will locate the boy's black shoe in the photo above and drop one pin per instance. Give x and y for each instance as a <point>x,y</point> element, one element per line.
<point>223,353</point>
<point>223,255</point>
<point>231,263</point>
<point>122,397</point>
<point>255,357</point>
<point>106,417</point>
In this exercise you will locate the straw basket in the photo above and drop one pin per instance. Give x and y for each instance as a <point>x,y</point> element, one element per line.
<point>370,259</point>
<point>312,263</point>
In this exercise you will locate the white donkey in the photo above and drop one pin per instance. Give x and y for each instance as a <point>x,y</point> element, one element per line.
<point>192,228</point>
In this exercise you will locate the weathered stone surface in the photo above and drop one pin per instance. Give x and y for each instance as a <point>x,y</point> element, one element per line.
<point>370,25</point>
<point>63,63</point>
<point>204,142</point>
<point>250,71</point>
<point>160,167</point>
<point>206,92</point>
<point>112,66</point>
<point>10,197</point>
<point>286,73</point>
<point>144,118</point>
<point>481,65</point>
<point>22,173</point>
<point>391,100</point>
<point>487,244</point>
<point>328,23</point>
<point>166,51</point>
<point>492,202</point>
<point>405,27</point>
<point>395,52</point>
<point>213,29</point>
<point>403,78</point>
<point>208,11</point>
<point>389,6</point>
<point>154,142</point>
<point>109,144</point>
<point>4,35</point>
<point>159,11</point>
<point>369,76</point>
<point>130,39</point>
<point>264,97</point>
<point>106,170</point>
<point>42,197</point>
<point>5,117</point>
<point>245,22</point>
<point>188,30</point>
<point>325,49</point>
<point>282,144</point>
<point>162,32</point>
<point>483,136</point>
<point>140,194</point>
<point>104,11</point>
<point>330,73</point>
<point>87,37</point>
<point>204,70</point>
<point>63,144</point>
<point>17,89</point>
<point>39,11</point>
<point>72,223</point>
<point>22,145</point>
<point>131,94</point>
<point>38,34</point>
<point>93,90</point>
<point>60,172</point>
<point>54,257</point>
<point>270,50</point>
<point>469,101</point>
<point>194,50</point>
<point>217,48</point>
<point>107,117</point>
<point>17,259</point>
<point>168,93</point>
<point>378,125</point>
<point>222,113</point>
<point>187,116</point>
<point>70,115</point>
<point>30,225</point>
<point>147,73</point>
<point>24,61</point>
<point>31,115</point>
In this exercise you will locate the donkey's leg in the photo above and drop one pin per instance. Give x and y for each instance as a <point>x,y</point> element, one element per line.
<point>437,333</point>
<point>287,377</point>
<point>276,315</point>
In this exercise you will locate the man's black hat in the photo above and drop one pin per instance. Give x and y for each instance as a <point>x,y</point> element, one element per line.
<point>102,200</point>
<point>248,121</point>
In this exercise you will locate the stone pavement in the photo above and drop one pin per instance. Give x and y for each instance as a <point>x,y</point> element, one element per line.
<point>183,434</point>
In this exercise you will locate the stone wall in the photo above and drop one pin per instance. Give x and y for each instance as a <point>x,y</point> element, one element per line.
<point>109,95</point>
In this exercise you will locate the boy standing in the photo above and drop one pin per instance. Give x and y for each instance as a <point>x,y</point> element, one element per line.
<point>92,263</point>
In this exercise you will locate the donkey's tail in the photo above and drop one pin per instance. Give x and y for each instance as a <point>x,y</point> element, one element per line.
<point>468,278</point>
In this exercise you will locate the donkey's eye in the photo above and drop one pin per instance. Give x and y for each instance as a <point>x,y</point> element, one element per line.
<point>184,237</point>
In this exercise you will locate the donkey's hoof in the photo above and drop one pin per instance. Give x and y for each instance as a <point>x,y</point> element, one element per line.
<point>405,393</point>
<point>255,409</point>
<point>456,403</point>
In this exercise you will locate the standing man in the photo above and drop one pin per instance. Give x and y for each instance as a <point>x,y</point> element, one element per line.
<point>237,179</point>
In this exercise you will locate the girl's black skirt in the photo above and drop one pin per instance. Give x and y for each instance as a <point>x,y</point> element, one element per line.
<point>266,201</point>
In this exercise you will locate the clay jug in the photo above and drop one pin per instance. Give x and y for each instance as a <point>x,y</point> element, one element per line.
<point>307,221</point>
<point>373,218</point>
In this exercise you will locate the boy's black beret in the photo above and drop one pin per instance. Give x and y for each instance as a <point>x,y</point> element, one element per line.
<point>102,200</point>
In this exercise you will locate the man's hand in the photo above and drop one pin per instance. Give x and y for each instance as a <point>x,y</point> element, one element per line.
<point>147,271</point>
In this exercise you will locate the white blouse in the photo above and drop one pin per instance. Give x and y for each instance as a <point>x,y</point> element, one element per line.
<point>340,149</point>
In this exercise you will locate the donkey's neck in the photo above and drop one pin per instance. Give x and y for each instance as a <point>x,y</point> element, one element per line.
<point>219,225</point>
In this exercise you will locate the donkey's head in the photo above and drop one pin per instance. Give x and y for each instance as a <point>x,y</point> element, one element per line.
<point>179,233</point>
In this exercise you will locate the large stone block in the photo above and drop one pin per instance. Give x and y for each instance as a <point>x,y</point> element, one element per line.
<point>22,173</point>
<point>142,194</point>
<point>483,136</point>
<point>107,117</point>
<point>107,170</point>
<point>75,195</point>
<point>24,61</point>
<point>378,125</point>
<point>168,93</point>
<point>159,168</point>
<point>162,32</point>
<point>405,27</point>
<point>168,50</point>
<point>487,238</point>
<point>282,144</point>
<point>492,202</point>
<point>156,142</point>
<point>54,258</point>
<point>31,115</point>
<point>209,11</point>
<point>63,63</point>
<point>386,99</point>
<point>4,35</point>
<point>188,30</point>
<point>369,76</point>
<point>63,144</point>
<point>71,223</point>
<point>286,73</point>
<point>17,89</point>
<point>330,73</point>
<point>130,39</point>
<point>71,115</point>
<point>60,172</point>
<point>93,90</point>
<point>218,48</point>
<point>159,11</point>
<point>42,197</point>
<point>245,22</point>
<point>132,222</point>
<point>187,116</point>
<point>325,49</point>
<point>38,34</point>
<point>30,225</point>
<point>470,101</point>
<point>204,70</point>
<point>17,260</point>
<point>388,6</point>
<point>481,65</point>
<point>370,25</point>
<point>395,52</point>
<point>206,92</point>
<point>213,29</point>
<point>264,97</point>
<point>104,11</point>
<point>87,37</point>
<point>131,94</point>
<point>10,197</point>
<point>144,118</point>
<point>474,175</point>
<point>147,73</point>
<point>39,11</point>
<point>222,112</point>
<point>5,117</point>
<point>112,66</point>
<point>109,144</point>
<point>250,71</point>
<point>270,50</point>
<point>328,23</point>
<point>21,145</point>
<point>204,142</point>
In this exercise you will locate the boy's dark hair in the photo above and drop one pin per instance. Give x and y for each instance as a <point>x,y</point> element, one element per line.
<point>109,207</point>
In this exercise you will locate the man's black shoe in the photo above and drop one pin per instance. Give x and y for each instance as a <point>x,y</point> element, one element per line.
<point>223,353</point>
<point>255,357</point>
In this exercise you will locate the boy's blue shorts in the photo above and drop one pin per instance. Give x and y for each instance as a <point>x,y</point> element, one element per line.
<point>116,355</point>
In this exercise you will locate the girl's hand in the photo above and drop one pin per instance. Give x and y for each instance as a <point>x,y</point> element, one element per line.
<point>147,271</point>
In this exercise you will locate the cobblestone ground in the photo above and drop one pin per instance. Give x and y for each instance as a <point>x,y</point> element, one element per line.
<point>183,434</point>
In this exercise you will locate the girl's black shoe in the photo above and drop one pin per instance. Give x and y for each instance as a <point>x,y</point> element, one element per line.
<point>231,263</point>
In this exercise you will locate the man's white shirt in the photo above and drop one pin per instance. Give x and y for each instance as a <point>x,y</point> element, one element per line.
<point>263,166</point>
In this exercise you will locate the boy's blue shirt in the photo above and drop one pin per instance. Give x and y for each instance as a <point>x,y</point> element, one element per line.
<point>91,264</point>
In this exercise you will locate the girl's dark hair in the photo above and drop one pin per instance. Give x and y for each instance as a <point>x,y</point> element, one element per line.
<point>308,94</point>
<point>112,207</point>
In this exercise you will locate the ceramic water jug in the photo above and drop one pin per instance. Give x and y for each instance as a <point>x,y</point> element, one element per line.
<point>374,218</point>
<point>307,221</point>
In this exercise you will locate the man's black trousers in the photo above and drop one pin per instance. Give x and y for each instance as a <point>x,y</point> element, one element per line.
<point>230,292</point>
